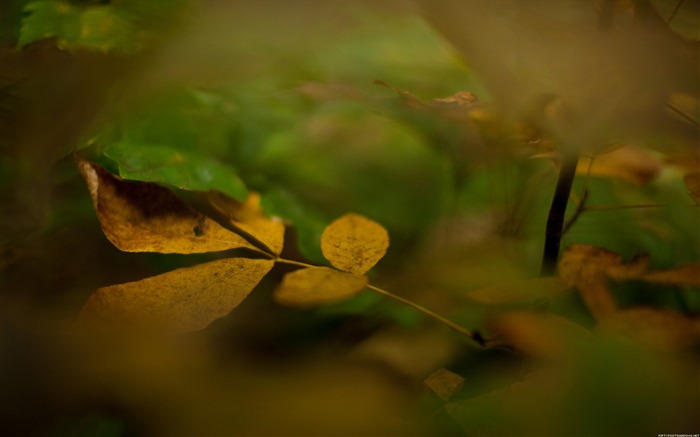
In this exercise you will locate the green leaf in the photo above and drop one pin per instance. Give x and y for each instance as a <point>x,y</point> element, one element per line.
<point>106,28</point>
<point>185,299</point>
<point>46,19</point>
<point>354,243</point>
<point>317,286</point>
<point>99,27</point>
<point>167,165</point>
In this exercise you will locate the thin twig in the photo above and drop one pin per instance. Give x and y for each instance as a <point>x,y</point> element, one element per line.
<point>475,336</point>
<point>449,323</point>
<point>683,115</point>
<point>579,209</point>
<point>675,10</point>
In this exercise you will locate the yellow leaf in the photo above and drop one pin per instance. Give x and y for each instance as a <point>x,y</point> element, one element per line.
<point>249,217</point>
<point>685,275</point>
<point>354,243</point>
<point>317,286</point>
<point>518,291</point>
<point>444,383</point>
<point>185,299</point>
<point>145,217</point>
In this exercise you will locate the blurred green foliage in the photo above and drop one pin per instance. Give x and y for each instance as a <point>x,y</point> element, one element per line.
<point>211,98</point>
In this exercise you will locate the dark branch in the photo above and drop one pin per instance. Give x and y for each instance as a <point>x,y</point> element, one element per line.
<point>557,211</point>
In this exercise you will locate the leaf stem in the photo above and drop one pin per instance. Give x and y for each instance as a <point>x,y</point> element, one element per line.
<point>292,262</point>
<point>557,211</point>
<point>449,323</point>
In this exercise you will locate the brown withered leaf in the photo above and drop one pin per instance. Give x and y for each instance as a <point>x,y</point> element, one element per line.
<point>145,217</point>
<point>354,243</point>
<point>249,217</point>
<point>461,106</point>
<point>317,286</point>
<point>589,268</point>
<point>687,275</point>
<point>628,163</point>
<point>444,383</point>
<point>583,267</point>
<point>656,328</point>
<point>186,299</point>
<point>518,291</point>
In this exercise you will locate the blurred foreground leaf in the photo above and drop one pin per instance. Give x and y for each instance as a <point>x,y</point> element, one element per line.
<point>122,27</point>
<point>655,328</point>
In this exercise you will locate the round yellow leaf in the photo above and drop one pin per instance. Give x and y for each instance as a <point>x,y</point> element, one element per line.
<point>318,286</point>
<point>354,243</point>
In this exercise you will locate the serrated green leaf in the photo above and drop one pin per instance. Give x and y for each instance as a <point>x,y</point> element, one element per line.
<point>317,286</point>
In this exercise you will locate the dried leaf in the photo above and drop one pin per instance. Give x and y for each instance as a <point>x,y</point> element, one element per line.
<point>249,217</point>
<point>317,286</point>
<point>354,243</point>
<point>444,383</point>
<point>185,299</point>
<point>588,269</point>
<point>659,329</point>
<point>692,182</point>
<point>145,217</point>
<point>581,261</point>
<point>628,163</point>
<point>518,291</point>
<point>688,275</point>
